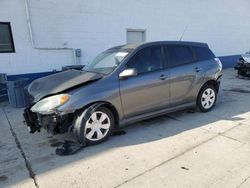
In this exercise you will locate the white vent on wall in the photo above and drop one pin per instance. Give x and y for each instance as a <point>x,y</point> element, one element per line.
<point>136,36</point>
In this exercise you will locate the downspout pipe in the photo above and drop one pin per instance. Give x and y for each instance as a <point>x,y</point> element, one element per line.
<point>31,35</point>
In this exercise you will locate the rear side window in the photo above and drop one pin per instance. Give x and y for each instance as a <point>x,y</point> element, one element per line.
<point>147,60</point>
<point>179,55</point>
<point>203,53</point>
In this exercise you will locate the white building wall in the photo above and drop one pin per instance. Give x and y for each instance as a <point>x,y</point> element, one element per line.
<point>94,26</point>
<point>26,59</point>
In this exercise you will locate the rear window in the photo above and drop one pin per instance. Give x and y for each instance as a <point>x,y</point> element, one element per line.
<point>203,53</point>
<point>179,55</point>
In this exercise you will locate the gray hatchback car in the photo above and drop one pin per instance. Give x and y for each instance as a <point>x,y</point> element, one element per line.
<point>123,85</point>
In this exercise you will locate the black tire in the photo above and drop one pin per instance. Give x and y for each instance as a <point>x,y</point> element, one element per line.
<point>81,120</point>
<point>200,99</point>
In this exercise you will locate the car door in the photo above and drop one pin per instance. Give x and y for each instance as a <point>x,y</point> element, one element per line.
<point>149,90</point>
<point>183,73</point>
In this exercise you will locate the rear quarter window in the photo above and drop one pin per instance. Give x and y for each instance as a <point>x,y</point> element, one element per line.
<point>203,53</point>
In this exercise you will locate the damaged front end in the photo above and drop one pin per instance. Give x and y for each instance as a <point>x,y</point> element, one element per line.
<point>44,114</point>
<point>243,65</point>
<point>50,93</point>
<point>53,123</point>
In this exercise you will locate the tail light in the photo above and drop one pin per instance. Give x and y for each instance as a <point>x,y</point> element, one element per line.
<point>219,62</point>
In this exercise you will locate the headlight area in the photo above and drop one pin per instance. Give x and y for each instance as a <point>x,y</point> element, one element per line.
<point>43,115</point>
<point>48,105</point>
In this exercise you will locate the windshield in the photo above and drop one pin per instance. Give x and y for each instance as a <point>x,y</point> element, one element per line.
<point>106,62</point>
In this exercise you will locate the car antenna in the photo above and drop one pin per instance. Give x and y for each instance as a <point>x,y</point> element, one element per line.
<point>184,32</point>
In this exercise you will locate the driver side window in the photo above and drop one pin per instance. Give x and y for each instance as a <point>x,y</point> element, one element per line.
<point>147,60</point>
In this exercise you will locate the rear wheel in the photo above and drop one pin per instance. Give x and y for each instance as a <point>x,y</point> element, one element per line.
<point>95,127</point>
<point>207,98</point>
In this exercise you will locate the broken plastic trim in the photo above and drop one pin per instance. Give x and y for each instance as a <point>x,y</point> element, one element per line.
<point>71,147</point>
<point>89,111</point>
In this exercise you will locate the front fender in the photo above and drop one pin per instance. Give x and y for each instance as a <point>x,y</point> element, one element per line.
<point>107,92</point>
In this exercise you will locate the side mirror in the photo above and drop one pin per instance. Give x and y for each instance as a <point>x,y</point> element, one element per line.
<point>128,73</point>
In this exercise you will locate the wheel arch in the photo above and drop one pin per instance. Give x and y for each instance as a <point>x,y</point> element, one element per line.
<point>214,83</point>
<point>109,106</point>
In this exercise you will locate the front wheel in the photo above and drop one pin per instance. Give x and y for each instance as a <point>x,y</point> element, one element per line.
<point>95,127</point>
<point>207,98</point>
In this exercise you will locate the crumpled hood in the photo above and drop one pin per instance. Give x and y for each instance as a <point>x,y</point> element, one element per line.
<point>60,82</point>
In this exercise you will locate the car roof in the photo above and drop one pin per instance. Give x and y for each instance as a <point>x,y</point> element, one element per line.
<point>145,44</point>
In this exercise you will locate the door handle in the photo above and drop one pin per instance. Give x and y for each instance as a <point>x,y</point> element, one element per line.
<point>163,77</point>
<point>197,69</point>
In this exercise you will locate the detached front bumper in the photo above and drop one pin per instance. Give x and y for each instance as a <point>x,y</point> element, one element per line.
<point>52,123</point>
<point>31,121</point>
